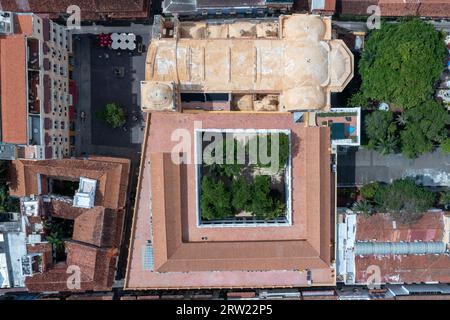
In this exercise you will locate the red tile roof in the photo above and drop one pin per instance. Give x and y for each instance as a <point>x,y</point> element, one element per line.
<point>380,227</point>
<point>13,89</point>
<point>97,232</point>
<point>410,268</point>
<point>407,269</point>
<point>173,208</point>
<point>422,8</point>
<point>90,9</point>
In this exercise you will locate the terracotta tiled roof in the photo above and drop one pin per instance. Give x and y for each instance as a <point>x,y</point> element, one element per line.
<point>408,268</point>
<point>178,250</point>
<point>97,232</point>
<point>423,8</point>
<point>97,267</point>
<point>111,173</point>
<point>13,89</point>
<point>96,226</point>
<point>90,9</point>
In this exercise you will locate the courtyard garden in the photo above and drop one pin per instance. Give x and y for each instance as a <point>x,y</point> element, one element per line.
<point>249,188</point>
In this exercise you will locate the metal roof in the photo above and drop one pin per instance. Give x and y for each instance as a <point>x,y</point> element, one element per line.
<point>399,248</point>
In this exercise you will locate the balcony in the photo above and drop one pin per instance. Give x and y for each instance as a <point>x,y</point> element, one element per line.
<point>33,54</point>
<point>34,103</point>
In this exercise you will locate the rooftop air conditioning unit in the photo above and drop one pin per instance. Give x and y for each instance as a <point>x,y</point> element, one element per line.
<point>6,23</point>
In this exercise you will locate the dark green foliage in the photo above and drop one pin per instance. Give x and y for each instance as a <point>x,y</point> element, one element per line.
<point>444,198</point>
<point>363,207</point>
<point>401,63</point>
<point>7,203</point>
<point>283,149</point>
<point>404,200</point>
<point>113,114</point>
<point>414,141</point>
<point>369,190</point>
<point>242,195</point>
<point>215,199</point>
<point>382,132</point>
<point>263,204</point>
<point>4,167</point>
<point>359,100</point>
<point>425,126</point>
<point>445,146</point>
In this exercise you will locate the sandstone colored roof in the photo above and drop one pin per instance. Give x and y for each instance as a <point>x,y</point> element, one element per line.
<point>301,63</point>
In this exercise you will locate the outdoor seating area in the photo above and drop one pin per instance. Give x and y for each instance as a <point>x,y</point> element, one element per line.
<point>118,41</point>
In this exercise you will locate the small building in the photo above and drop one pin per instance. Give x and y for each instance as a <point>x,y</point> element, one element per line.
<point>325,7</point>
<point>379,250</point>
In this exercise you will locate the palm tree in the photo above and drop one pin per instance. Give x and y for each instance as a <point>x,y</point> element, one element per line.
<point>57,243</point>
<point>363,207</point>
<point>387,146</point>
<point>402,119</point>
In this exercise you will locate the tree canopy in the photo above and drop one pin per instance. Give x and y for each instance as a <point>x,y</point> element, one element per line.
<point>404,200</point>
<point>401,62</point>
<point>215,199</point>
<point>381,132</point>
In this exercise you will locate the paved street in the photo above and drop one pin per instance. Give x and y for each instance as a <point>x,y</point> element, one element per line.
<point>96,88</point>
<point>364,166</point>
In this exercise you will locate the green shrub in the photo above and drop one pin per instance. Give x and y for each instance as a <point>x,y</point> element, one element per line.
<point>404,200</point>
<point>445,146</point>
<point>369,190</point>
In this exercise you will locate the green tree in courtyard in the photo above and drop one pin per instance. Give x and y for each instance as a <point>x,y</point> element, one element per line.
<point>401,63</point>
<point>215,199</point>
<point>264,204</point>
<point>242,195</point>
<point>113,115</point>
<point>283,149</point>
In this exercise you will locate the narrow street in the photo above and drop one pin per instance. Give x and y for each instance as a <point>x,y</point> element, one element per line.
<point>356,168</point>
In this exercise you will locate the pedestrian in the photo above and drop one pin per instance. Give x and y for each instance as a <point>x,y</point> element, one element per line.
<point>83,116</point>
